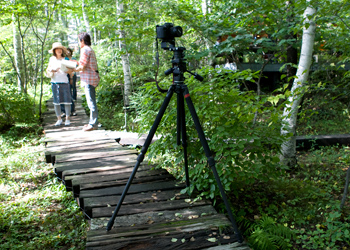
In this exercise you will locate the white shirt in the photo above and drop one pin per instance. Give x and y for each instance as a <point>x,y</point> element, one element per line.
<point>59,76</point>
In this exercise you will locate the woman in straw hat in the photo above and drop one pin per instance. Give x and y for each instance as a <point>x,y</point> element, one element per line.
<point>60,82</point>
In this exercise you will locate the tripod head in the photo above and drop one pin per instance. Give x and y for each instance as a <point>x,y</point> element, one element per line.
<point>179,66</point>
<point>167,34</point>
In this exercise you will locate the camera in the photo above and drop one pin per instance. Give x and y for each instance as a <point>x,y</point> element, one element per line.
<point>168,32</point>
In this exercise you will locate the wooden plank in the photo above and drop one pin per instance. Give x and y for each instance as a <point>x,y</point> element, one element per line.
<point>52,152</point>
<point>78,174</point>
<point>111,162</point>
<point>64,133</point>
<point>78,142</point>
<point>141,176</point>
<point>146,207</point>
<point>132,220</point>
<point>88,204</point>
<point>94,154</point>
<point>106,201</point>
<point>135,188</point>
<point>59,148</point>
<point>77,189</point>
<point>191,234</point>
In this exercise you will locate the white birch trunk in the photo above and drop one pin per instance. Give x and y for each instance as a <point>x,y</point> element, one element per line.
<point>86,18</point>
<point>205,11</point>
<point>125,60</point>
<point>288,150</point>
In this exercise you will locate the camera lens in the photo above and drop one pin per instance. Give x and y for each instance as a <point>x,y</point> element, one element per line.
<point>176,31</point>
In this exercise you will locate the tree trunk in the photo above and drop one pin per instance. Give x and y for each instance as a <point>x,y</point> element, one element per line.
<point>288,151</point>
<point>208,45</point>
<point>86,18</point>
<point>292,53</point>
<point>18,56</point>
<point>63,20</point>
<point>125,60</point>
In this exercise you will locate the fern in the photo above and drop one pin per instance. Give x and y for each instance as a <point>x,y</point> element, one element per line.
<point>269,235</point>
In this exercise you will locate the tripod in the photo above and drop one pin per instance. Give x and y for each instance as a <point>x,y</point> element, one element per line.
<point>178,87</point>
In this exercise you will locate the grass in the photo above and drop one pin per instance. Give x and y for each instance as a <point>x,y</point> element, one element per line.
<point>36,211</point>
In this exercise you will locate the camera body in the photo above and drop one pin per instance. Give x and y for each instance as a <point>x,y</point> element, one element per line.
<point>167,33</point>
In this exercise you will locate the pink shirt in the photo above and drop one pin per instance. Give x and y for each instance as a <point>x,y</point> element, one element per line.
<point>88,60</point>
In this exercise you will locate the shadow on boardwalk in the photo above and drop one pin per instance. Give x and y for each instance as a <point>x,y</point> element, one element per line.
<point>95,167</point>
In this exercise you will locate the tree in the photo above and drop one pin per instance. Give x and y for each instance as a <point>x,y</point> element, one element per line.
<point>41,34</point>
<point>86,18</point>
<point>17,45</point>
<point>124,56</point>
<point>288,150</point>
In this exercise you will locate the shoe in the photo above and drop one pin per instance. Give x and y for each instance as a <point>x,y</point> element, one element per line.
<point>63,115</point>
<point>88,128</point>
<point>73,114</point>
<point>67,123</point>
<point>58,123</point>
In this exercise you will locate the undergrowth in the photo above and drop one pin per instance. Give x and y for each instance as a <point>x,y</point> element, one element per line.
<point>36,211</point>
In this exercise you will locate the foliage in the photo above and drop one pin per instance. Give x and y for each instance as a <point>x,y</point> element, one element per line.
<point>227,116</point>
<point>37,212</point>
<point>266,234</point>
<point>15,107</point>
<point>325,108</point>
<point>305,203</point>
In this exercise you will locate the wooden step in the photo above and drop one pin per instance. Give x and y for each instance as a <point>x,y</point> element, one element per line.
<point>204,232</point>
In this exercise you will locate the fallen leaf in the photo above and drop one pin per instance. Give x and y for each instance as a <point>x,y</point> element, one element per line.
<point>212,239</point>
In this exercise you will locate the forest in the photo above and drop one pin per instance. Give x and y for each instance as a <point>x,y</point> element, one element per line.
<point>272,70</point>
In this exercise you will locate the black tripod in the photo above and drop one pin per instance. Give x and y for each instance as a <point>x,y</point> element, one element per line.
<point>179,67</point>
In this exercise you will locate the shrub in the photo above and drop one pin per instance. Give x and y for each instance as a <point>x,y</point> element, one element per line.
<point>15,107</point>
<point>243,149</point>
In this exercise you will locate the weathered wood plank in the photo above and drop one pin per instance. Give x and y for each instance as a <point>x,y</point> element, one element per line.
<point>79,174</point>
<point>77,189</point>
<point>88,204</point>
<point>136,188</point>
<point>95,154</point>
<point>146,197</point>
<point>61,148</point>
<point>151,217</point>
<point>188,234</point>
<point>121,179</point>
<point>146,207</point>
<point>110,162</point>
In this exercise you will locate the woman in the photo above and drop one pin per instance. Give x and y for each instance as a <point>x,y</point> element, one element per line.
<point>60,83</point>
<point>73,85</point>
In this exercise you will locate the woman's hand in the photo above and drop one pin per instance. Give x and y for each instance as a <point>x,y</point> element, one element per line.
<point>79,68</point>
<point>55,70</point>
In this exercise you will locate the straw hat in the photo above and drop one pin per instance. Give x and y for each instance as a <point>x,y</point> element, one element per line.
<point>58,45</point>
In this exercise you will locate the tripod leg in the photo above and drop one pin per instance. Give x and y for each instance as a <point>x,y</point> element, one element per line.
<point>181,130</point>
<point>142,154</point>
<point>211,160</point>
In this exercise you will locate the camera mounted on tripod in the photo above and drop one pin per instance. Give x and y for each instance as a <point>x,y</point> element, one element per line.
<point>167,33</point>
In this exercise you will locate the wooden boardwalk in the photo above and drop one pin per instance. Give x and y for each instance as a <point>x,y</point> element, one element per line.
<point>95,167</point>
